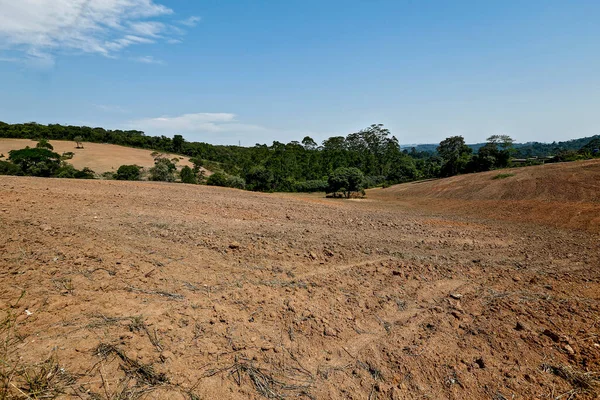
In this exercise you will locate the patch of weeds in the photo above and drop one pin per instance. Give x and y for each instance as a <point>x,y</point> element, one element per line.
<point>46,380</point>
<point>587,382</point>
<point>143,373</point>
<point>64,285</point>
<point>137,324</point>
<point>264,382</point>
<point>502,176</point>
<point>371,369</point>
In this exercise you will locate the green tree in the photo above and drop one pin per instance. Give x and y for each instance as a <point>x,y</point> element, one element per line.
<point>178,141</point>
<point>78,141</point>
<point>225,180</point>
<point>346,180</point>
<point>188,175</point>
<point>44,144</point>
<point>455,155</point>
<point>260,178</point>
<point>35,162</point>
<point>128,173</point>
<point>8,168</point>
<point>163,170</point>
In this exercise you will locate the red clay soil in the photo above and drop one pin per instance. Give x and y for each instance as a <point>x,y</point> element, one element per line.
<point>560,195</point>
<point>176,291</point>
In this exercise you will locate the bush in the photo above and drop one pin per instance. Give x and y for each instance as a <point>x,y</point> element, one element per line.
<point>44,144</point>
<point>67,155</point>
<point>502,176</point>
<point>108,175</point>
<point>163,170</point>
<point>222,179</point>
<point>346,180</point>
<point>68,171</point>
<point>36,162</point>
<point>8,168</point>
<point>128,173</point>
<point>85,173</point>
<point>311,186</point>
<point>188,175</point>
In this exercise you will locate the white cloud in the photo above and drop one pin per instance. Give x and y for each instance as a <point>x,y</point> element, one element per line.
<point>111,108</point>
<point>148,28</point>
<point>148,60</point>
<point>197,123</point>
<point>39,29</point>
<point>191,21</point>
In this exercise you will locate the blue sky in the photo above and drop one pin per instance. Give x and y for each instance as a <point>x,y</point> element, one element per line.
<point>256,71</point>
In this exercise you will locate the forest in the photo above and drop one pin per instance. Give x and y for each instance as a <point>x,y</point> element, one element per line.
<point>307,166</point>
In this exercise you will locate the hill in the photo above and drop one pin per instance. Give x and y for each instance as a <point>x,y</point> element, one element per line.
<point>99,157</point>
<point>562,194</point>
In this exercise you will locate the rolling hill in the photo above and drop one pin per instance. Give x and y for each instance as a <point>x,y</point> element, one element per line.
<point>99,157</point>
<point>563,194</point>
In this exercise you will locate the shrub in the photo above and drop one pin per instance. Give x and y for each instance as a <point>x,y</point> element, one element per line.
<point>188,175</point>
<point>108,175</point>
<point>128,173</point>
<point>44,144</point>
<point>312,186</point>
<point>68,171</point>
<point>163,170</point>
<point>67,155</point>
<point>503,176</point>
<point>8,168</point>
<point>85,173</point>
<point>222,179</point>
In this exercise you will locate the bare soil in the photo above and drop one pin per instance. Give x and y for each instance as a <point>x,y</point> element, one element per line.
<point>174,291</point>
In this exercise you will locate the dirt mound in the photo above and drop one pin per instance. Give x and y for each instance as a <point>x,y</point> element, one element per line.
<point>565,194</point>
<point>147,290</point>
<point>99,157</point>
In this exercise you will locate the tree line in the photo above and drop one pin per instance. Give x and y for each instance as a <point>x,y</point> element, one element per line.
<point>303,166</point>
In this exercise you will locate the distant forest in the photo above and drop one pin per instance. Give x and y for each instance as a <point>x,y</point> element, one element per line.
<point>524,150</point>
<point>306,165</point>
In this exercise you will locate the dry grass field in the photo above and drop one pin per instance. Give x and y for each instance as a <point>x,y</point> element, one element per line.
<point>463,288</point>
<point>97,156</point>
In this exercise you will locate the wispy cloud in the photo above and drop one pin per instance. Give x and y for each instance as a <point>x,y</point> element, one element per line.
<point>38,30</point>
<point>198,123</point>
<point>191,21</point>
<point>148,60</point>
<point>111,108</point>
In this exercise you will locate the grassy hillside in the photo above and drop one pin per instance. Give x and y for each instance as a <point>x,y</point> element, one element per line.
<point>99,157</point>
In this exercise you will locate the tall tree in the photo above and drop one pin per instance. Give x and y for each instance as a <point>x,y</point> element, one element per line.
<point>455,155</point>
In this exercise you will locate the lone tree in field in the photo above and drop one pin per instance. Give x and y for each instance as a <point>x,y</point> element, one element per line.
<point>79,141</point>
<point>346,181</point>
<point>44,144</point>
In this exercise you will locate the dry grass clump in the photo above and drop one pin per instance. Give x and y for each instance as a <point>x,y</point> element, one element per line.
<point>580,381</point>
<point>45,380</point>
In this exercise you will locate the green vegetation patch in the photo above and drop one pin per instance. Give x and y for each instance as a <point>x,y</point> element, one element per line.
<point>503,176</point>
